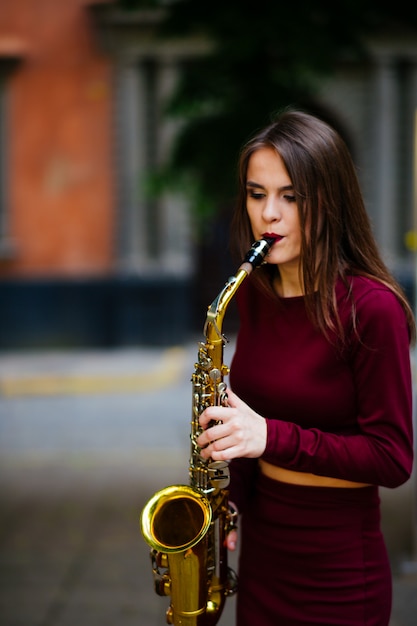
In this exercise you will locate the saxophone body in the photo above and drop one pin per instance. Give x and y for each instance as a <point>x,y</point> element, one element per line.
<point>186,525</point>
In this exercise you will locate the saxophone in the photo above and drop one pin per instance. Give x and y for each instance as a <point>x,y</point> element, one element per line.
<point>186,525</point>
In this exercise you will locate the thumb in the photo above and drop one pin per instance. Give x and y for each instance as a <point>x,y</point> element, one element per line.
<point>231,540</point>
<point>232,399</point>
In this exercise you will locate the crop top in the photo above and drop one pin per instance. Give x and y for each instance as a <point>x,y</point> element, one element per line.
<point>333,411</point>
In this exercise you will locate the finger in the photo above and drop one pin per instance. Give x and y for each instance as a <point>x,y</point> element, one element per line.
<point>214,433</point>
<point>231,540</point>
<point>209,435</point>
<point>233,400</point>
<point>212,414</point>
<point>219,451</point>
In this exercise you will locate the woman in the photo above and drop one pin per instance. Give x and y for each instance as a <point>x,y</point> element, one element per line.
<point>320,413</point>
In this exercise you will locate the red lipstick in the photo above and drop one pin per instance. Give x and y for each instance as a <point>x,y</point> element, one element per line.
<point>273,236</point>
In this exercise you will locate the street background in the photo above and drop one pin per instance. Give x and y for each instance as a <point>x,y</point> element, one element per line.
<point>103,104</point>
<point>86,437</point>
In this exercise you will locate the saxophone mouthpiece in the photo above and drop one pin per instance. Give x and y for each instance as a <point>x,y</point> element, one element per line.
<point>258,251</point>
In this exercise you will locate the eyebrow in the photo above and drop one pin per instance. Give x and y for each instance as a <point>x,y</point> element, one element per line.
<point>253,184</point>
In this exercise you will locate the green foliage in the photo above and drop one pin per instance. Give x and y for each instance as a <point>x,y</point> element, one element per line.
<point>266,56</point>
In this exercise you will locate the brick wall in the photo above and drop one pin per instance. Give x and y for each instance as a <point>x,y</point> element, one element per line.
<point>60,200</point>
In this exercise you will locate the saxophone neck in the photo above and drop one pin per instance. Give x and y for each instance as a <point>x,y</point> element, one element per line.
<point>216,311</point>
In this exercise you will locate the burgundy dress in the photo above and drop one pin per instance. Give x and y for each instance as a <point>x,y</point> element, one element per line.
<point>316,555</point>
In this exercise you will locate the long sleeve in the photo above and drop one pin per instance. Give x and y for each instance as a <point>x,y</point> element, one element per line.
<point>339,412</point>
<point>381,452</point>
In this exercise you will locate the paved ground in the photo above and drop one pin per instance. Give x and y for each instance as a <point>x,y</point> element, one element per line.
<point>85,439</point>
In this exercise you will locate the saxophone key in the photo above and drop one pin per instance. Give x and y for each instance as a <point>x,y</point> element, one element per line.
<point>218,474</point>
<point>215,374</point>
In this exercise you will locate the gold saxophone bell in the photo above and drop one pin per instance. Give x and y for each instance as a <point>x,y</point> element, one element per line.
<point>186,525</point>
<point>175,519</point>
<point>175,523</point>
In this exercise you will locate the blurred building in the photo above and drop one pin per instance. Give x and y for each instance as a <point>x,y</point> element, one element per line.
<point>87,255</point>
<point>79,263</point>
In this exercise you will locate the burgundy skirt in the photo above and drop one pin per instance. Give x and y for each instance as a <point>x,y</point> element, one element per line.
<point>313,555</point>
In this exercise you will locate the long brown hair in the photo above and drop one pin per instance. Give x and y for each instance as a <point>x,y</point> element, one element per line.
<point>340,239</point>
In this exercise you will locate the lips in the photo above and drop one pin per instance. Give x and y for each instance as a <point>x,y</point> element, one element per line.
<point>273,236</point>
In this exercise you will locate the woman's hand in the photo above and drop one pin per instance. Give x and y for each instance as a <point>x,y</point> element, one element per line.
<point>231,537</point>
<point>242,432</point>
<point>231,540</point>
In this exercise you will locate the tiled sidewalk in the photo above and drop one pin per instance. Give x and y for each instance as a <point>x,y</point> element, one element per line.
<point>77,464</point>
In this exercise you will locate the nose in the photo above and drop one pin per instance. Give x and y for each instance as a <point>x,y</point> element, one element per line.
<point>271,211</point>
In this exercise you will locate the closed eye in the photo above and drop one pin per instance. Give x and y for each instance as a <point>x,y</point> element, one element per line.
<point>256,195</point>
<point>259,195</point>
<point>257,192</point>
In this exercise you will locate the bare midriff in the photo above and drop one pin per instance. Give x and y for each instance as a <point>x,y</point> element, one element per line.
<point>303,478</point>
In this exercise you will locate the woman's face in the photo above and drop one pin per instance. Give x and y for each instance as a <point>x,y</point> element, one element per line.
<point>272,207</point>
